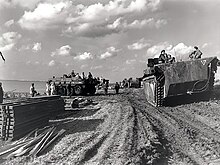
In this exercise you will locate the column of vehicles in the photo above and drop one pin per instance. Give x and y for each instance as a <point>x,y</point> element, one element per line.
<point>74,84</point>
<point>162,80</point>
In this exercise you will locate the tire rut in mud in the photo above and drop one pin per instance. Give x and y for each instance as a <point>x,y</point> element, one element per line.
<point>168,129</point>
<point>159,151</point>
<point>193,139</point>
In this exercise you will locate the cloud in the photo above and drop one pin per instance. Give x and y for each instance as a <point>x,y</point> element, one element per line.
<point>115,68</point>
<point>10,37</point>
<point>142,43</point>
<point>26,4</point>
<point>93,20</point>
<point>102,19</point>
<point>8,40</point>
<point>36,47</point>
<point>84,66</point>
<point>65,50</point>
<point>96,67</point>
<point>4,3</point>
<point>128,62</point>
<point>205,45</point>
<point>24,47</point>
<point>151,23</point>
<point>156,49</point>
<point>23,3</point>
<point>98,11</point>
<point>84,56</point>
<point>180,51</point>
<point>97,29</point>
<point>33,63</point>
<point>45,16</point>
<point>111,52</point>
<point>91,30</point>
<point>9,23</point>
<point>52,63</point>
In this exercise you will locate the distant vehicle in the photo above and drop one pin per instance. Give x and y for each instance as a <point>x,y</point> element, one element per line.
<point>131,83</point>
<point>165,80</point>
<point>74,86</point>
<point>135,83</point>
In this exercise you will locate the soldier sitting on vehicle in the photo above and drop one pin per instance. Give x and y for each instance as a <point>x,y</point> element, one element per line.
<point>73,73</point>
<point>196,54</point>
<point>162,57</point>
<point>65,76</point>
<point>169,59</point>
<point>90,75</point>
<point>78,76</point>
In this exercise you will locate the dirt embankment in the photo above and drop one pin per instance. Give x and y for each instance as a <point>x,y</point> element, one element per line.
<point>125,129</point>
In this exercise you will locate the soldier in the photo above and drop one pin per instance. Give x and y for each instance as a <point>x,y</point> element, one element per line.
<point>162,57</point>
<point>90,75</point>
<point>196,54</point>
<point>52,89</point>
<point>117,86</point>
<point>73,73</point>
<point>33,92</point>
<point>78,76</point>
<point>106,86</point>
<point>48,88</point>
<point>169,59</point>
<point>1,93</point>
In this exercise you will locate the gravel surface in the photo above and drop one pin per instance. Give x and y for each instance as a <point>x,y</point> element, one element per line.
<point>125,130</point>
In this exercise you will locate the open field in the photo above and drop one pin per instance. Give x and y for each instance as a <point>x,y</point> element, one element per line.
<point>125,129</point>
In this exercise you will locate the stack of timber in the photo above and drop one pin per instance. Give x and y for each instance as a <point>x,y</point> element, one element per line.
<point>21,117</point>
<point>56,104</point>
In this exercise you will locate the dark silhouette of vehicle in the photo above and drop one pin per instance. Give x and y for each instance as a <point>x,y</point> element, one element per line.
<point>66,86</point>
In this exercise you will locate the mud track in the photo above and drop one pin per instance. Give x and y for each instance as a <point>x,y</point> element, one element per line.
<point>125,129</point>
<point>191,137</point>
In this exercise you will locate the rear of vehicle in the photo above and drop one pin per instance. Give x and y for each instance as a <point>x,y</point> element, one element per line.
<point>74,86</point>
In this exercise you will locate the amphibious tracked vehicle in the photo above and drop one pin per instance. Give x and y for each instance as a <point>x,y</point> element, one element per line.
<point>164,80</point>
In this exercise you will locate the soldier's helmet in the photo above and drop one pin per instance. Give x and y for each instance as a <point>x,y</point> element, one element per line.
<point>196,47</point>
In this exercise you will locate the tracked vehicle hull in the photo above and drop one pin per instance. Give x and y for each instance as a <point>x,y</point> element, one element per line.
<point>74,86</point>
<point>162,81</point>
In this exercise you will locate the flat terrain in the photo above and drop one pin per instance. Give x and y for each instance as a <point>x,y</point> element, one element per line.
<point>124,129</point>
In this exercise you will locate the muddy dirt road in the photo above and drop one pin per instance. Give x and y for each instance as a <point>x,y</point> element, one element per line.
<point>125,129</point>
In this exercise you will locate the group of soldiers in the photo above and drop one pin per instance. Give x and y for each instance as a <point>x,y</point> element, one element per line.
<point>167,58</point>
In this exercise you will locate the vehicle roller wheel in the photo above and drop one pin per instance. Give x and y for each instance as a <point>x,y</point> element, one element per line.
<point>159,92</point>
<point>92,91</point>
<point>78,90</point>
<point>211,80</point>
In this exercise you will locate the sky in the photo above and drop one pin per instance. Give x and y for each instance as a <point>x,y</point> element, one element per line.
<point>113,39</point>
